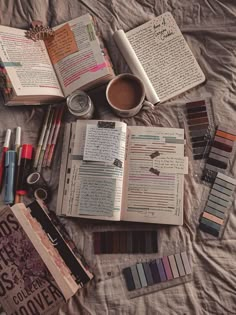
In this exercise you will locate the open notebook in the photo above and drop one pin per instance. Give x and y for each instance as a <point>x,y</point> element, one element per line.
<point>111,171</point>
<point>158,53</point>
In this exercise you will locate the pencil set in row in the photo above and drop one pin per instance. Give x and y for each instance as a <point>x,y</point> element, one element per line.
<point>48,138</point>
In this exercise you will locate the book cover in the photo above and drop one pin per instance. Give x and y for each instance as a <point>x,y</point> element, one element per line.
<point>26,285</point>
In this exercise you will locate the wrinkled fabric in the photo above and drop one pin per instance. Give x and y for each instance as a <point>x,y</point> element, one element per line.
<point>209,27</point>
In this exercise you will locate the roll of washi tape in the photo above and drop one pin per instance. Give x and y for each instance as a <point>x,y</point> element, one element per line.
<point>38,186</point>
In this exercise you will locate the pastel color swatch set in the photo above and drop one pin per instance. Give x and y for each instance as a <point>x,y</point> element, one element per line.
<point>113,242</point>
<point>198,128</point>
<point>218,203</point>
<point>156,271</point>
<point>220,153</point>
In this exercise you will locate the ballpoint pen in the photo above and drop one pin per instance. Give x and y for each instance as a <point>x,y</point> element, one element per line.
<point>10,160</point>
<point>55,136</point>
<point>18,139</point>
<point>2,162</point>
<point>41,139</point>
<point>45,159</point>
<point>45,142</point>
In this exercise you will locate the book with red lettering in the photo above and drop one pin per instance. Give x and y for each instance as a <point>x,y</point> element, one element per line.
<point>45,71</point>
<point>38,268</point>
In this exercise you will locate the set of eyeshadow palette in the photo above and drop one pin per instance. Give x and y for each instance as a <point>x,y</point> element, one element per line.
<point>219,201</point>
<point>133,242</point>
<point>157,274</point>
<point>220,153</point>
<point>199,127</point>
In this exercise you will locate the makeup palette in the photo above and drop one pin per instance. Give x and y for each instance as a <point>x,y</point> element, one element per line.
<point>131,242</point>
<point>157,271</point>
<point>219,201</point>
<point>198,127</point>
<point>220,153</point>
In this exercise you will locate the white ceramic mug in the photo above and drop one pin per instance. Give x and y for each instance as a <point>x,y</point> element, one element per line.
<point>136,86</point>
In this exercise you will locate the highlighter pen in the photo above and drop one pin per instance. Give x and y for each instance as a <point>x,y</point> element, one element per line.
<point>10,160</point>
<point>25,168</point>
<point>45,142</point>
<point>42,135</point>
<point>55,136</point>
<point>2,162</point>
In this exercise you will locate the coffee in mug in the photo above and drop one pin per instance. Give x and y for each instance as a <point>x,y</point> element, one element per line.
<point>125,94</point>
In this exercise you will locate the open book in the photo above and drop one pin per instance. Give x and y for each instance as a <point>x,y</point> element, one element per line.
<point>39,268</point>
<point>111,171</point>
<point>158,53</point>
<point>46,71</point>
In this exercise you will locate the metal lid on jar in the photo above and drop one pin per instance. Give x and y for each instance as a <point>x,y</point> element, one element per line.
<point>78,103</point>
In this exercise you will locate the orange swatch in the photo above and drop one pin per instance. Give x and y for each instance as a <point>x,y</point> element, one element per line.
<point>225,135</point>
<point>212,218</point>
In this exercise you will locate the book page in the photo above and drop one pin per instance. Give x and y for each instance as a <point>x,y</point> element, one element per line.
<point>28,64</point>
<point>155,177</point>
<point>85,65</point>
<point>94,189</point>
<point>165,56</point>
<point>135,65</point>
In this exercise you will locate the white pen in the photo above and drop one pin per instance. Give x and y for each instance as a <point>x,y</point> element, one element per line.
<point>42,135</point>
<point>18,139</point>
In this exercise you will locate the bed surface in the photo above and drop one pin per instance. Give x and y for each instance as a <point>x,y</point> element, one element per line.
<point>210,29</point>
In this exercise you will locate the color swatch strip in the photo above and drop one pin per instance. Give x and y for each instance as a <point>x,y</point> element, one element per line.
<point>197,116</point>
<point>133,242</point>
<point>156,271</point>
<point>220,153</point>
<point>219,201</point>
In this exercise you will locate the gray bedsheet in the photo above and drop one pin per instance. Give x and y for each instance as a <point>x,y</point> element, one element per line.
<point>210,29</point>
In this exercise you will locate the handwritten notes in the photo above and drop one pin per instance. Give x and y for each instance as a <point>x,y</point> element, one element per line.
<point>169,164</point>
<point>97,196</point>
<point>62,44</point>
<point>103,144</point>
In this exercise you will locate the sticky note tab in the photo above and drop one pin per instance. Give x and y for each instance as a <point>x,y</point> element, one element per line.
<point>141,274</point>
<point>173,266</point>
<point>186,263</point>
<point>179,265</point>
<point>62,44</point>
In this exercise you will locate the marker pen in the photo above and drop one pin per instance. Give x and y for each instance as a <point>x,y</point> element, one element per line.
<point>25,168</point>
<point>2,162</point>
<point>10,160</point>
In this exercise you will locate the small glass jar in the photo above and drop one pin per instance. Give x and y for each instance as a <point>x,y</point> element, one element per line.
<point>80,104</point>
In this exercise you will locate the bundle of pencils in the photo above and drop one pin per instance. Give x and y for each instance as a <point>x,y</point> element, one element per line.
<point>48,138</point>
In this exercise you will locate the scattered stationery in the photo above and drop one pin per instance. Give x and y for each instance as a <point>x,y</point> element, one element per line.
<point>220,153</point>
<point>41,138</point>
<point>43,261</point>
<point>158,53</point>
<point>131,242</point>
<point>167,270</point>
<point>4,150</point>
<point>153,174</point>
<point>219,201</point>
<point>75,58</point>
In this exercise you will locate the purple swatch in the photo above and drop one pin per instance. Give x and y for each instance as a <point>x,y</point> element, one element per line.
<point>155,274</point>
<point>161,270</point>
<point>167,267</point>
